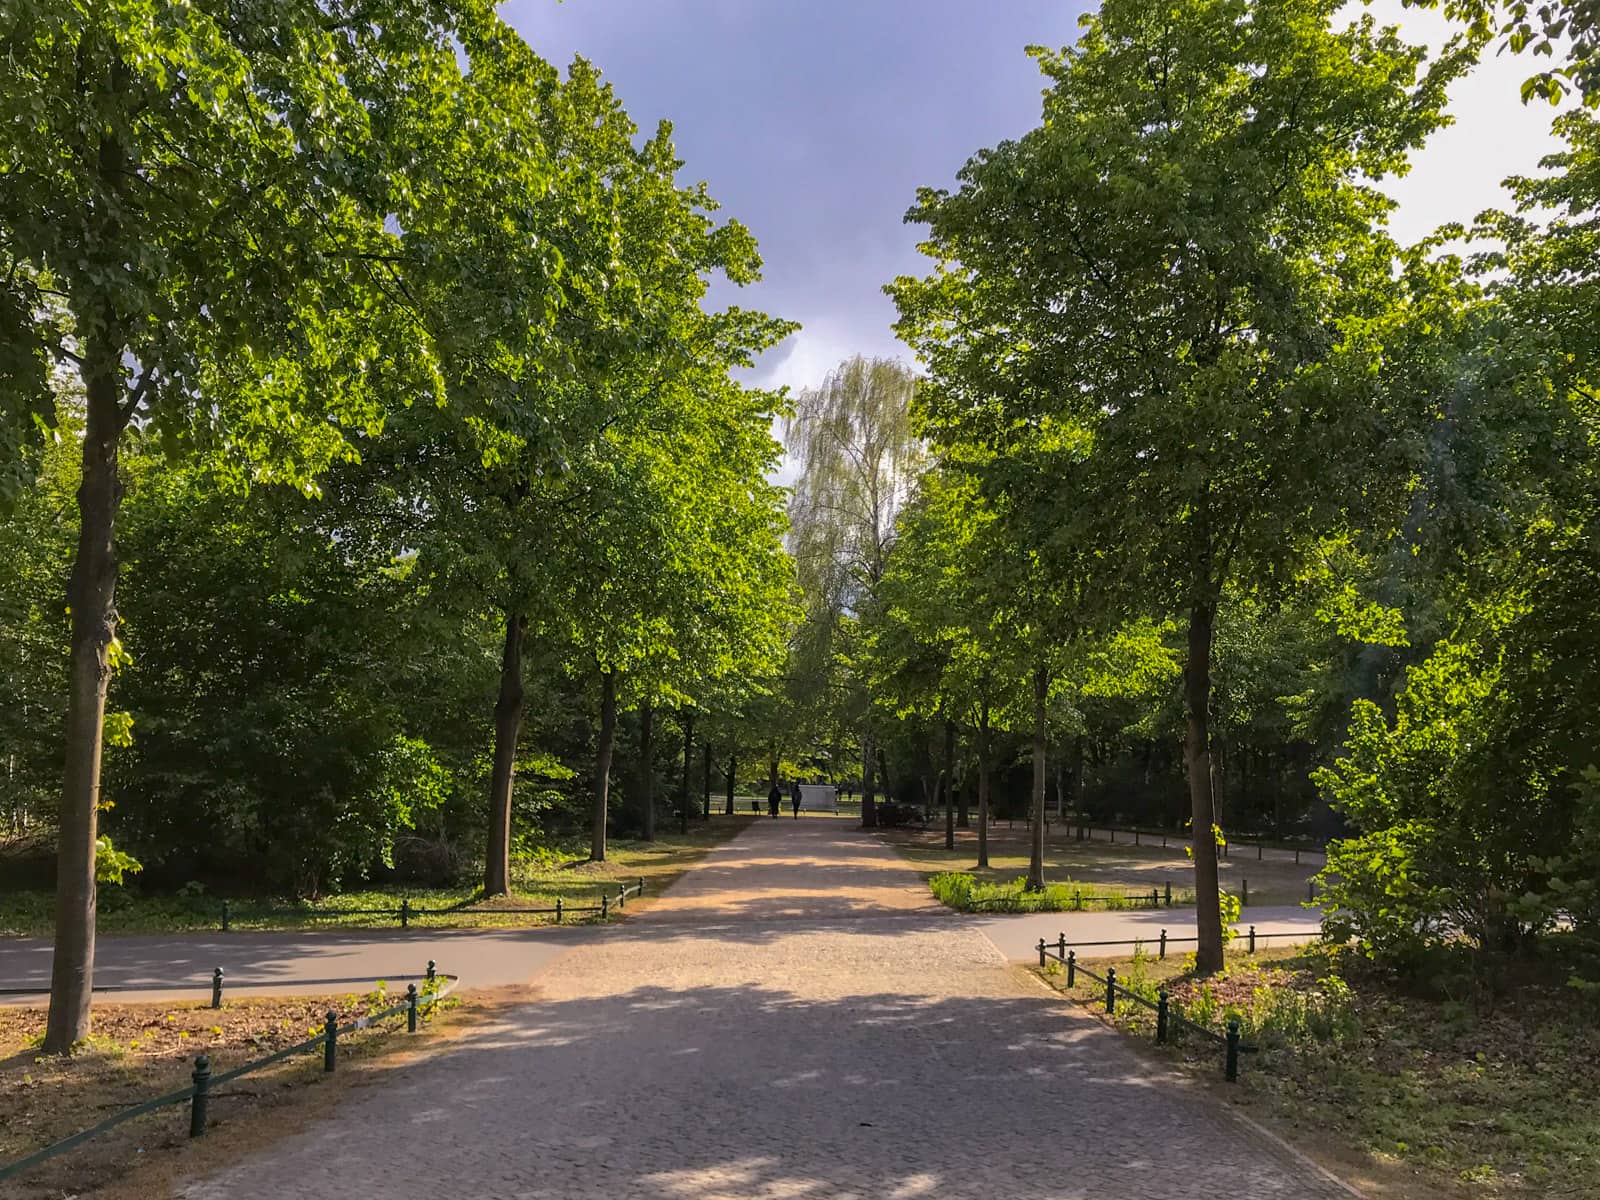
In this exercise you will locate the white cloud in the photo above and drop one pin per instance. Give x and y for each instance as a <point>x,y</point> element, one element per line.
<point>1458,173</point>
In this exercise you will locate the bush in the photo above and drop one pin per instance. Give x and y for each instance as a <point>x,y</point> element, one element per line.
<point>970,894</point>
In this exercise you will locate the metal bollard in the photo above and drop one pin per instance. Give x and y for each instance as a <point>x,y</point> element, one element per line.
<point>1311,891</point>
<point>640,892</point>
<point>1161,1016</point>
<point>411,1008</point>
<point>622,897</point>
<point>1259,848</point>
<point>1041,952</point>
<point>1252,939</point>
<point>605,909</point>
<point>558,910</point>
<point>1072,968</point>
<point>1135,835</point>
<point>1111,989</point>
<point>1169,893</point>
<point>1163,943</point>
<point>202,1089</point>
<point>405,912</point>
<point>224,916</point>
<point>1113,837</point>
<point>216,988</point>
<point>1061,946</point>
<point>1231,1069</point>
<point>1297,857</point>
<point>1244,898</point>
<point>330,1041</point>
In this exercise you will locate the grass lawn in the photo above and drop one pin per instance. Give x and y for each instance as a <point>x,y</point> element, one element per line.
<point>1406,1095</point>
<point>572,878</point>
<point>140,1051</point>
<point>1134,868</point>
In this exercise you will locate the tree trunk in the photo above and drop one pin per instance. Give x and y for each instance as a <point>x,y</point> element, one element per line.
<point>1196,703</point>
<point>949,784</point>
<point>869,800</point>
<point>1041,692</point>
<point>733,774</point>
<point>647,768</point>
<point>1077,784</point>
<point>983,786</point>
<point>507,728</point>
<point>602,766</point>
<point>91,593</point>
<point>688,752</point>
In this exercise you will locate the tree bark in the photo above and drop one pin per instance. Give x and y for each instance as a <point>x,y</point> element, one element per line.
<point>688,752</point>
<point>91,593</point>
<point>1197,732</point>
<point>647,768</point>
<point>733,775</point>
<point>1041,692</point>
<point>602,765</point>
<point>949,773</point>
<point>869,800</point>
<point>983,786</point>
<point>507,728</point>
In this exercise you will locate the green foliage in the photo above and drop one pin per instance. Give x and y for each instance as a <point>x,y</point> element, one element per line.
<point>966,893</point>
<point>112,865</point>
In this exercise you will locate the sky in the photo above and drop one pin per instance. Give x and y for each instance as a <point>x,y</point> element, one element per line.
<point>815,121</point>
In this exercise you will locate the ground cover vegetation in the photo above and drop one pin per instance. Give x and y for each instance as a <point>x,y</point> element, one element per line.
<point>1438,1094</point>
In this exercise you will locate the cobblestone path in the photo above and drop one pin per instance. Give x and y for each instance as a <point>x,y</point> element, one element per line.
<point>795,1019</point>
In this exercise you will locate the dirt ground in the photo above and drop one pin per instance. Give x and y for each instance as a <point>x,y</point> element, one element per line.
<point>139,1051</point>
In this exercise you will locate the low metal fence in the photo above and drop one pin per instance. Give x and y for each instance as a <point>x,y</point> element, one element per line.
<point>417,1005</point>
<point>1137,836</point>
<point>1166,1017</point>
<point>406,912</point>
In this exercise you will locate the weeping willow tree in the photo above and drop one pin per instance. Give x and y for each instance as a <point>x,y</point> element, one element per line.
<point>858,459</point>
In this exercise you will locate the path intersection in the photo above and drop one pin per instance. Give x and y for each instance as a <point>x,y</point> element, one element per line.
<point>795,1018</point>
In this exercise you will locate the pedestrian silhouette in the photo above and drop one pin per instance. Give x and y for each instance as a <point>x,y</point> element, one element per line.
<point>774,800</point>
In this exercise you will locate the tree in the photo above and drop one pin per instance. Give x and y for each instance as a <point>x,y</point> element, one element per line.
<point>858,459</point>
<point>193,213</point>
<point>1181,285</point>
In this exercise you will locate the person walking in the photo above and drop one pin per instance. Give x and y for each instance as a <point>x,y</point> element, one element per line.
<point>794,799</point>
<point>774,799</point>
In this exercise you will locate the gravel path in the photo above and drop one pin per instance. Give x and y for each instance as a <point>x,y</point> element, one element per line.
<point>795,1019</point>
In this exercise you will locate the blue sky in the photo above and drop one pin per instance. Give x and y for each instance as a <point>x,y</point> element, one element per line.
<point>814,121</point>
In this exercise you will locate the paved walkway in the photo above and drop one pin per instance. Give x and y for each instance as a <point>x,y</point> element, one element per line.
<point>795,1019</point>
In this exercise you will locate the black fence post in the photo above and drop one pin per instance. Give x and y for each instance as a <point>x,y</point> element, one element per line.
<point>1135,835</point>
<point>1155,898</point>
<point>411,1008</point>
<point>405,912</point>
<point>1169,893</point>
<point>1311,891</point>
<point>224,916</point>
<point>1072,968</point>
<point>622,897</point>
<point>558,910</point>
<point>1297,857</point>
<point>1252,939</point>
<point>640,892</point>
<point>1231,1069</point>
<point>1111,989</point>
<point>1259,847</point>
<point>202,1089</point>
<point>1163,943</point>
<point>605,910</point>
<point>1041,952</point>
<point>1161,1017</point>
<point>1244,897</point>
<point>330,1041</point>
<point>216,988</point>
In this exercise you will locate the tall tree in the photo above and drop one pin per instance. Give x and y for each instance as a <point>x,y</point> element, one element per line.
<point>193,211</point>
<point>858,459</point>
<point>1183,282</point>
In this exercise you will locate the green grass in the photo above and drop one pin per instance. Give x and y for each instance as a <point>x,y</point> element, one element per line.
<point>572,878</point>
<point>1099,866</point>
<point>965,892</point>
<point>1500,1100</point>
